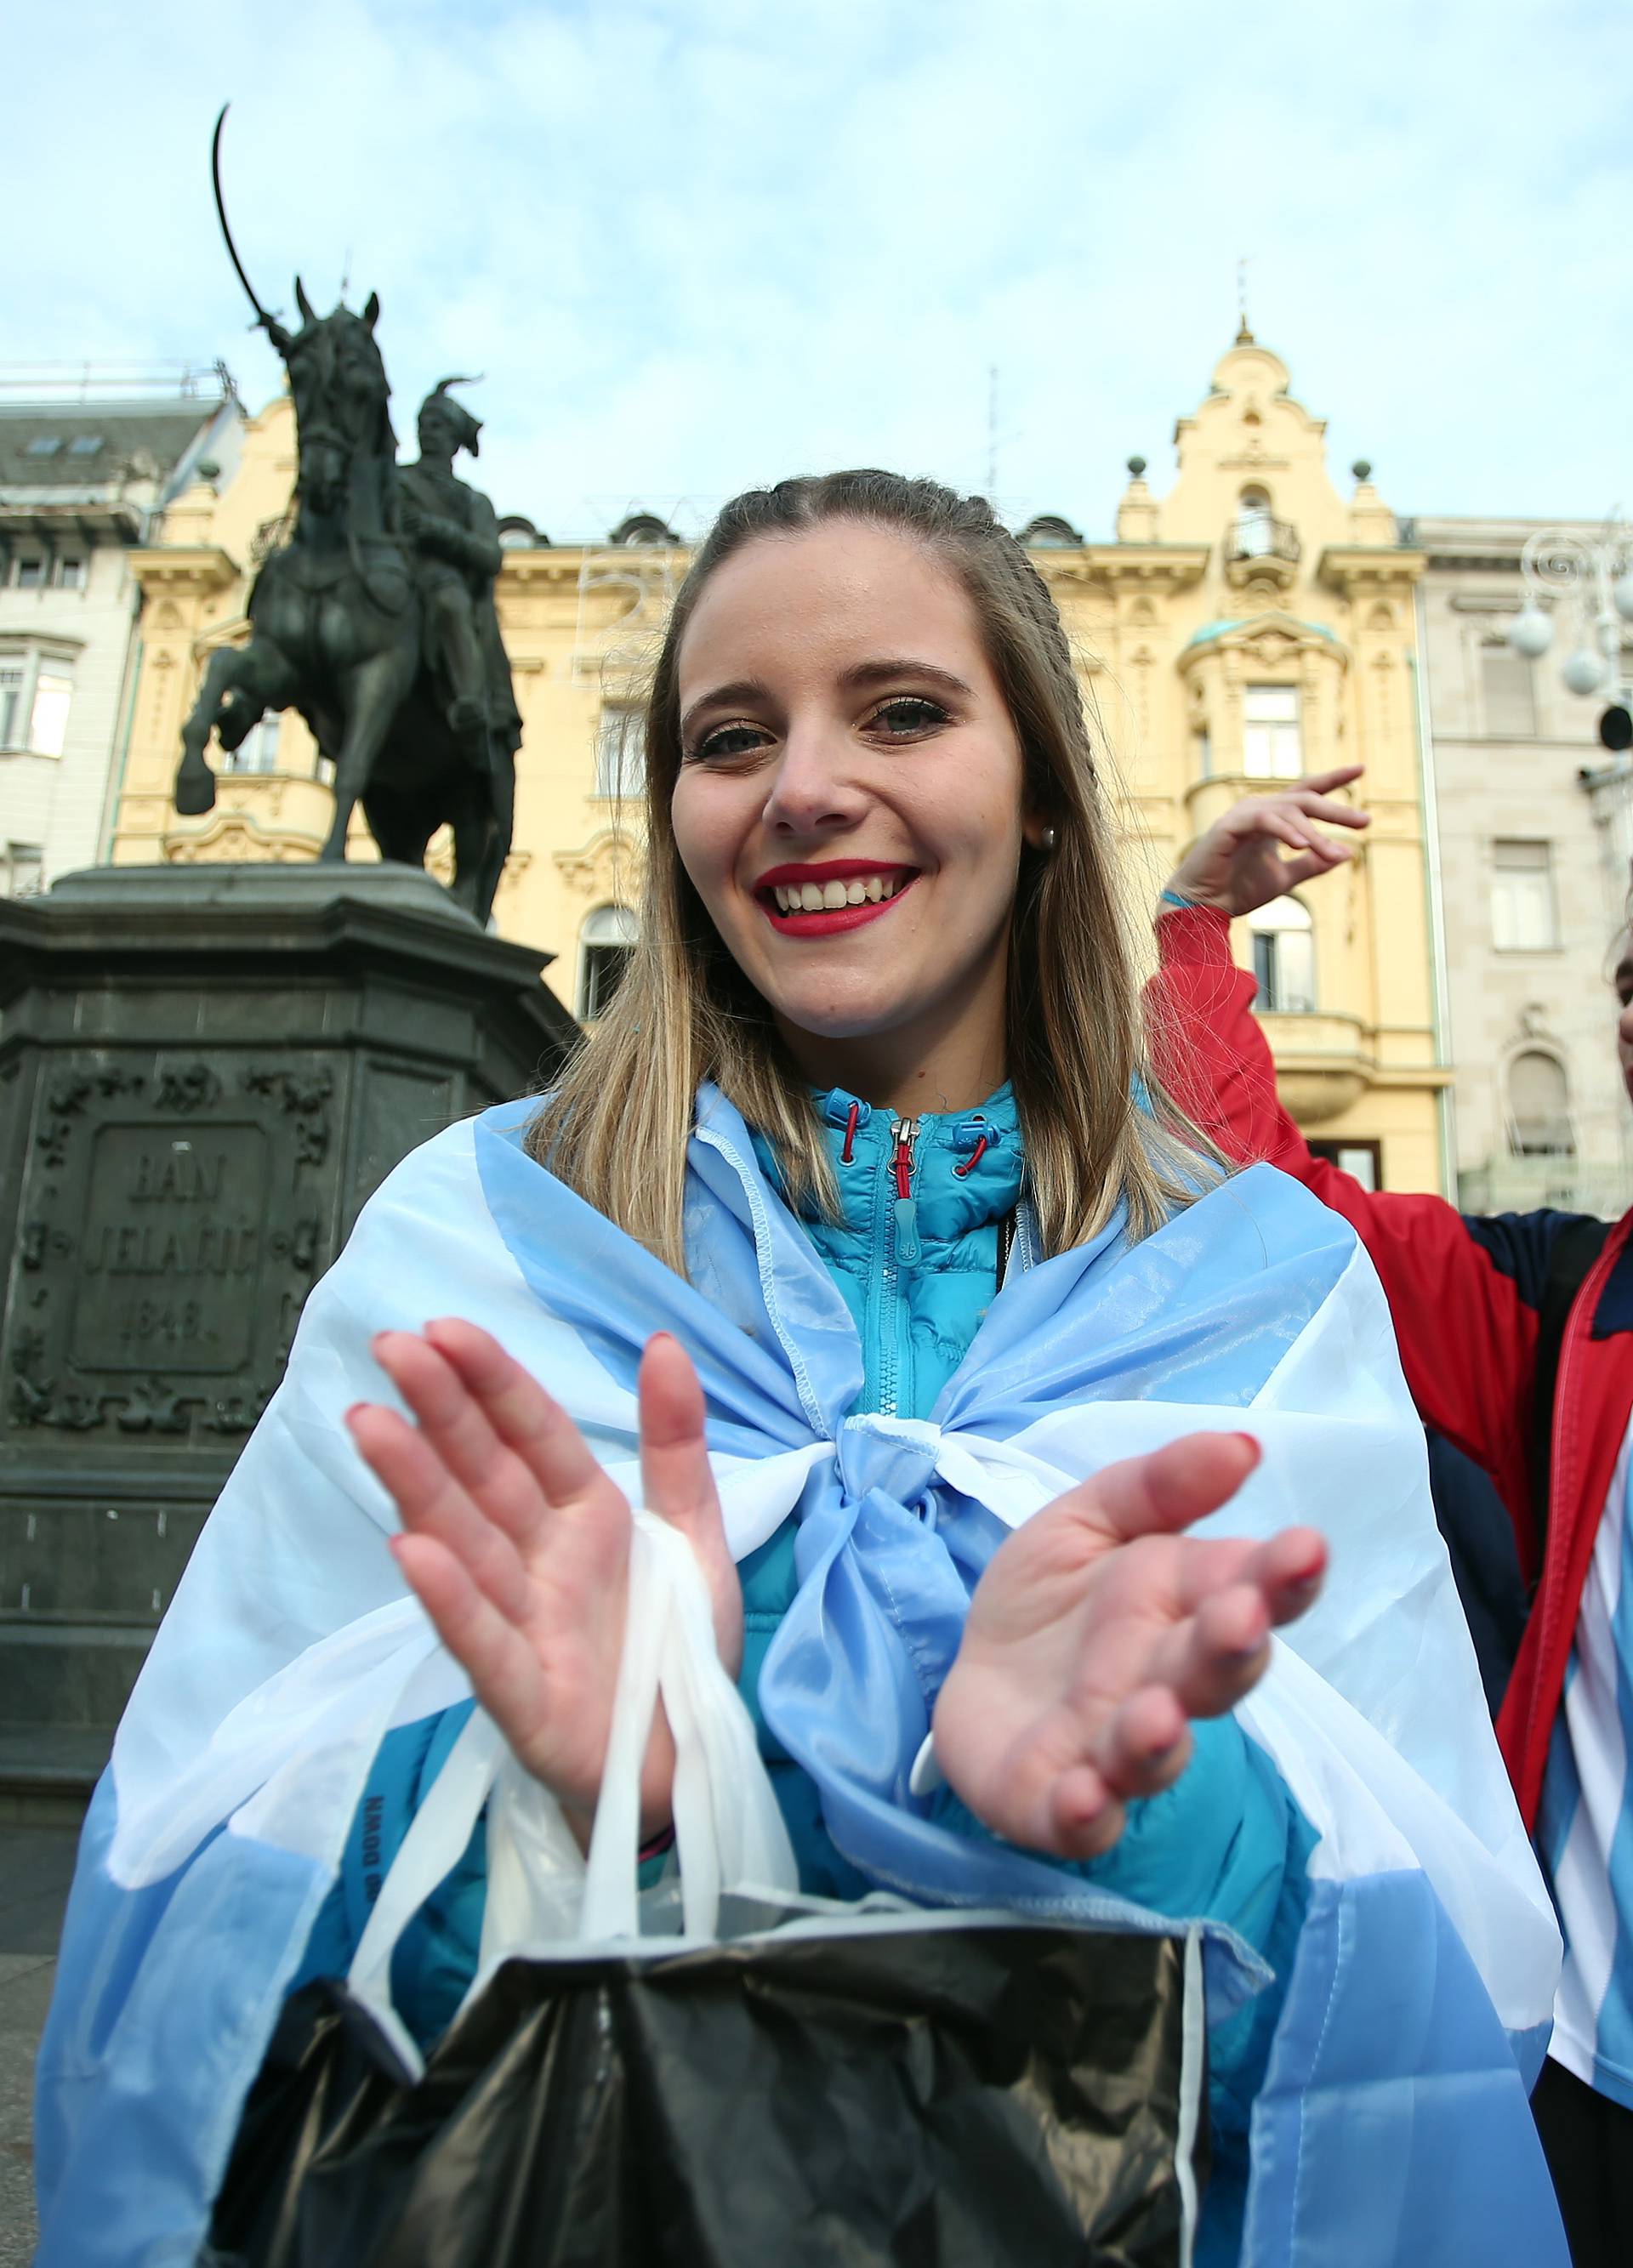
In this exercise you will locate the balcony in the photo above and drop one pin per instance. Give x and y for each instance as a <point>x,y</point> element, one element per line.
<point>1259,550</point>
<point>1569,1184</point>
<point>1323,1064</point>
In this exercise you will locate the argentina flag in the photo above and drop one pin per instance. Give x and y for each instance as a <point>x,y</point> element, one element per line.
<point>1391,2127</point>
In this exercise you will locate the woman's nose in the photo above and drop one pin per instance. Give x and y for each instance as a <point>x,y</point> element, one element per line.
<point>813,790</point>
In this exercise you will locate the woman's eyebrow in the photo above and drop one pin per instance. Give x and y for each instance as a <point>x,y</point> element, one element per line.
<point>741,688</point>
<point>880,673</point>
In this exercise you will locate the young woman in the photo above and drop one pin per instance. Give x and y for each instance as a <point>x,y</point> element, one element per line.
<point>862,1242</point>
<point>1514,1338</point>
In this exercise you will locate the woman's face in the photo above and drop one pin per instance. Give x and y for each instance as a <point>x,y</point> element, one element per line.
<point>848,808</point>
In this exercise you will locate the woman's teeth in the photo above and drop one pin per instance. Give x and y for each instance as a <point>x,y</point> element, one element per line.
<point>828,897</point>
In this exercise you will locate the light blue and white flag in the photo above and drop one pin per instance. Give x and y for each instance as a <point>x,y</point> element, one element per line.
<point>1392,2126</point>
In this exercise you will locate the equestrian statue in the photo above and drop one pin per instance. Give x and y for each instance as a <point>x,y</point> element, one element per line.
<point>375,618</point>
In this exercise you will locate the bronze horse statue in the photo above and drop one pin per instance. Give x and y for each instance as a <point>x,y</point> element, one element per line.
<point>338,629</point>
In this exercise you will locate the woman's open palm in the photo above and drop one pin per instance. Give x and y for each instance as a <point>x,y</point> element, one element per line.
<point>517,1542</point>
<point>1098,1630</point>
<point>1269,844</point>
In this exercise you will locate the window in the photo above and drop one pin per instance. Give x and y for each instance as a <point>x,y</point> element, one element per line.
<point>1522,897</point>
<point>48,728</point>
<point>30,574</point>
<point>85,444</point>
<point>620,768</point>
<point>44,444</point>
<point>609,934</point>
<point>1272,745</point>
<point>35,690</point>
<point>1255,530</point>
<point>257,752</point>
<point>1362,1160</point>
<point>1508,692</point>
<point>22,871</point>
<point>1049,532</point>
<point>1539,1107</point>
<point>70,574</point>
<point>1283,957</point>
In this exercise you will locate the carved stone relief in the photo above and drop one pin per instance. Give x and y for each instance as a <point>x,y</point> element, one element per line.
<point>173,1220</point>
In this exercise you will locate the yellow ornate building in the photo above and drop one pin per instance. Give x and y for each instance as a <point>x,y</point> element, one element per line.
<point>1252,624</point>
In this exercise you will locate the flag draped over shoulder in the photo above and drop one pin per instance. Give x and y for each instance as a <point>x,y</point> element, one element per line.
<point>1393,2125</point>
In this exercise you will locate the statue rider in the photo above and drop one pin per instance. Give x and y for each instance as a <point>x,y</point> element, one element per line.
<point>454,537</point>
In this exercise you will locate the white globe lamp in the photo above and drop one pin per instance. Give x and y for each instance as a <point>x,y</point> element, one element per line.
<point>1584,673</point>
<point>1530,632</point>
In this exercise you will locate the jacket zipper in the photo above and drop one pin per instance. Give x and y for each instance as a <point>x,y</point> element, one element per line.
<point>903,1251</point>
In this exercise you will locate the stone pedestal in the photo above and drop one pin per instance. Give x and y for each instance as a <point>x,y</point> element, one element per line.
<point>203,1075</point>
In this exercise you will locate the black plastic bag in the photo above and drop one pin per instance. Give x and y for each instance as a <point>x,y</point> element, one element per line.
<point>994,2095</point>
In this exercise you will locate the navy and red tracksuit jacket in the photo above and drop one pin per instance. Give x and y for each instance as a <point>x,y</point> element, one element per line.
<point>1467,1294</point>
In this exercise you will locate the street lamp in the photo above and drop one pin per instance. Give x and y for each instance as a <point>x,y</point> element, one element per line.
<point>1596,572</point>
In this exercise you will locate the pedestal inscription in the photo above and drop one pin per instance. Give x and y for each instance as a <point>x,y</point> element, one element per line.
<point>171,1259</point>
<point>172,1228</point>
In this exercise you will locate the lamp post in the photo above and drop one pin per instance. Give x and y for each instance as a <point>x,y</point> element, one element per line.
<point>1594,577</point>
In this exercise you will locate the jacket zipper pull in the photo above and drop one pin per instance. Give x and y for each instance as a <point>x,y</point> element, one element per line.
<point>907,1246</point>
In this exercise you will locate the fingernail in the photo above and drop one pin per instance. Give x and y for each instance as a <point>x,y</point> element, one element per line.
<point>355,1412</point>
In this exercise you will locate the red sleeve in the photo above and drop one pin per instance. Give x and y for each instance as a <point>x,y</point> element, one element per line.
<point>1468,1335</point>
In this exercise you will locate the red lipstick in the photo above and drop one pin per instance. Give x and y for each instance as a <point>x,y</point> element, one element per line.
<point>829,921</point>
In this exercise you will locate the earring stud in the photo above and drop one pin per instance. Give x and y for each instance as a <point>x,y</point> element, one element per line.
<point>1050,838</point>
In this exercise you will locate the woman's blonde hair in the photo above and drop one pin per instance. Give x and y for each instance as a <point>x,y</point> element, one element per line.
<point>1097,1127</point>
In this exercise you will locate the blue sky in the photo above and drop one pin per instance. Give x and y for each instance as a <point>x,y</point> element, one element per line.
<point>699,244</point>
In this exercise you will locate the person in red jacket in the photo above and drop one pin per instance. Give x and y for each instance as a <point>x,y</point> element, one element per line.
<point>1516,1335</point>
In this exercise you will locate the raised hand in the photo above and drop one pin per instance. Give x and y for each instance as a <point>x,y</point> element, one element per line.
<point>1267,845</point>
<point>1098,1630</point>
<point>517,1542</point>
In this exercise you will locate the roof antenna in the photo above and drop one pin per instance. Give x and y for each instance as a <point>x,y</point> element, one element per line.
<point>345,280</point>
<point>1244,336</point>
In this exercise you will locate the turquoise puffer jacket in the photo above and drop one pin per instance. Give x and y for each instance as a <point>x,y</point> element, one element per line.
<point>916,1255</point>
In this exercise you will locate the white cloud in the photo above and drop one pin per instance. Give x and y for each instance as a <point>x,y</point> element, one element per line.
<point>695,243</point>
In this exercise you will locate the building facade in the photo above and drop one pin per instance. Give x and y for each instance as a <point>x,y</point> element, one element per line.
<point>81,485</point>
<point>1535,841</point>
<point>1247,626</point>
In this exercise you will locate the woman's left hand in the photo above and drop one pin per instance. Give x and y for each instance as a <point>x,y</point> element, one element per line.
<point>1098,1630</point>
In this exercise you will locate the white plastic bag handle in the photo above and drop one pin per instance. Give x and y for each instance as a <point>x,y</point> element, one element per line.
<point>437,1836</point>
<point>728,1827</point>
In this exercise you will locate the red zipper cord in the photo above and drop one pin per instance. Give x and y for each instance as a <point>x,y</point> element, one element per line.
<point>972,1160</point>
<point>848,1153</point>
<point>904,1166</point>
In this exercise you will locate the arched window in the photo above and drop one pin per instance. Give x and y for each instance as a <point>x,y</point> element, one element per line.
<point>1050,531</point>
<point>1255,529</point>
<point>1283,957</point>
<point>607,937</point>
<point>644,528</point>
<point>1539,1107</point>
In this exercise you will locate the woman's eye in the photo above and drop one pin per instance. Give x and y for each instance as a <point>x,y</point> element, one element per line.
<point>908,714</point>
<point>728,741</point>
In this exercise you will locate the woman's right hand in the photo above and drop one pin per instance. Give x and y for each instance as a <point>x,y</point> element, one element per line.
<point>517,1542</point>
<point>1267,845</point>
